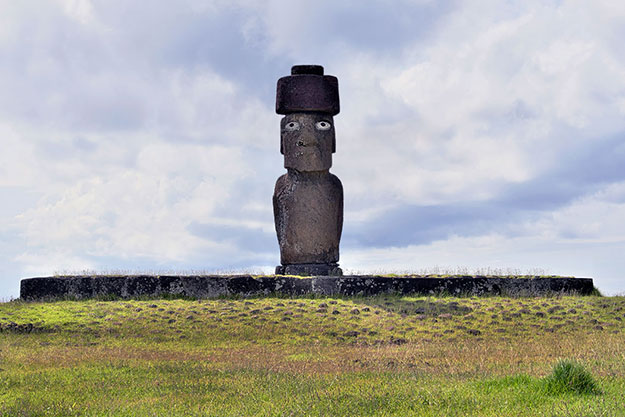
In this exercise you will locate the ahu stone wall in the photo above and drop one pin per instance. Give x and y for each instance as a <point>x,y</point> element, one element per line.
<point>211,286</point>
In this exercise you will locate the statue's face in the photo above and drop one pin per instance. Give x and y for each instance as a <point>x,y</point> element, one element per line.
<point>307,141</point>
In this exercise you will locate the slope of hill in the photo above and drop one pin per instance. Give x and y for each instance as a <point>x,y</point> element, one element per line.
<point>385,355</point>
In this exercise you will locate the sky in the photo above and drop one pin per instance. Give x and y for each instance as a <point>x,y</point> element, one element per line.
<point>473,136</point>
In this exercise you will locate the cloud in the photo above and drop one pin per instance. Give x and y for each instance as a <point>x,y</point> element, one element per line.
<point>143,211</point>
<point>323,28</point>
<point>583,239</point>
<point>136,136</point>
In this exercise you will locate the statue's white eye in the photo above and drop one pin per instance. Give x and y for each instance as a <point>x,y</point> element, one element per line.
<point>291,126</point>
<point>323,125</point>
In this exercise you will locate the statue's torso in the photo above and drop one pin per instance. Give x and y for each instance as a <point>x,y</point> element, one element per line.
<point>308,211</point>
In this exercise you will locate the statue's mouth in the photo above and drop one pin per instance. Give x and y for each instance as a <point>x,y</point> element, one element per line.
<point>309,152</point>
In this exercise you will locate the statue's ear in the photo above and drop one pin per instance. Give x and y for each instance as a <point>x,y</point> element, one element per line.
<point>334,144</point>
<point>282,123</point>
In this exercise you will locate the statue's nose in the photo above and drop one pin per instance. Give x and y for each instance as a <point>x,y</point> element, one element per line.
<point>306,138</point>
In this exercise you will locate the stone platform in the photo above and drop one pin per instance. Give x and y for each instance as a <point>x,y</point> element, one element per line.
<point>210,286</point>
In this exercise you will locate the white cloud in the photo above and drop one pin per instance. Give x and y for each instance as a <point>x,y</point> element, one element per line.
<point>595,218</point>
<point>146,133</point>
<point>17,159</point>
<point>584,238</point>
<point>143,211</point>
<point>124,194</point>
<point>81,10</point>
<point>495,98</point>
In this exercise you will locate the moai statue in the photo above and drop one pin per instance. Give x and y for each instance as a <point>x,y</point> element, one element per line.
<point>308,200</point>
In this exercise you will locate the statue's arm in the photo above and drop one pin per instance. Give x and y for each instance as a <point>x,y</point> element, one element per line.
<point>281,184</point>
<point>337,186</point>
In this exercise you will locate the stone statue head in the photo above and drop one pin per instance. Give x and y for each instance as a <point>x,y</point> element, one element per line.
<point>309,100</point>
<point>307,141</point>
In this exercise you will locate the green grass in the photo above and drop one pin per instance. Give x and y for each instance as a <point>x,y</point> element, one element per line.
<point>271,356</point>
<point>571,377</point>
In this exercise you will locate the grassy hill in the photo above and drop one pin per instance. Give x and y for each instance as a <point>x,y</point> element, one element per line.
<point>271,356</point>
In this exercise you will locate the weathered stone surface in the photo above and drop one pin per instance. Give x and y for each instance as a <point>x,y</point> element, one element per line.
<point>308,214</point>
<point>309,269</point>
<point>307,141</point>
<point>210,286</point>
<point>307,89</point>
<point>308,200</point>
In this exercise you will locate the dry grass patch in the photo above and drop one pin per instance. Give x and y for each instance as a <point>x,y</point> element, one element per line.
<point>377,353</point>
